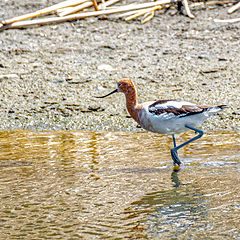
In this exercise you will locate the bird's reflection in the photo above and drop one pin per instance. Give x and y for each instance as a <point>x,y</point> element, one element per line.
<point>171,211</point>
<point>175,179</point>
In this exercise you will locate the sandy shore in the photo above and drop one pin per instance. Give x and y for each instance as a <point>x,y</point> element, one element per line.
<point>49,74</point>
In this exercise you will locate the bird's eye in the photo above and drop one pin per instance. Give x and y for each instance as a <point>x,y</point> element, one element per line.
<point>119,85</point>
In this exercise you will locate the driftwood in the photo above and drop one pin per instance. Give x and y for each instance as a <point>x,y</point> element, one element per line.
<point>68,10</point>
<point>24,24</point>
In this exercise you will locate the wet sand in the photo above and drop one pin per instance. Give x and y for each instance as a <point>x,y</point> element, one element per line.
<point>49,74</point>
<point>105,185</point>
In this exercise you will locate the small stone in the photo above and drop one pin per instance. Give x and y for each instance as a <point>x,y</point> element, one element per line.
<point>8,77</point>
<point>95,108</point>
<point>36,64</point>
<point>105,67</point>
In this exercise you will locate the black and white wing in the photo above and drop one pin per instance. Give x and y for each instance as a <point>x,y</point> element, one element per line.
<point>173,108</point>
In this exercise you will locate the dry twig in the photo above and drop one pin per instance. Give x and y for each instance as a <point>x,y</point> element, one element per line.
<point>95,5</point>
<point>24,24</point>
<point>67,11</point>
<point>103,5</point>
<point>141,12</point>
<point>71,10</point>
<point>233,20</point>
<point>209,3</point>
<point>43,11</point>
<point>185,3</point>
<point>148,16</point>
<point>234,8</point>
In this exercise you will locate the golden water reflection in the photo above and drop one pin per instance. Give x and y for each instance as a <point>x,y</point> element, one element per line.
<point>118,185</point>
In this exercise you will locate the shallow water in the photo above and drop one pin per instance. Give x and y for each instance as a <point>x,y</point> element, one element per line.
<point>118,185</point>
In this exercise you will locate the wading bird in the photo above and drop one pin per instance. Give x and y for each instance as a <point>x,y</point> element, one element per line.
<point>166,116</point>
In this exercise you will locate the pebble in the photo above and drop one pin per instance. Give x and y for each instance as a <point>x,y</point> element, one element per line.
<point>105,67</point>
<point>8,77</point>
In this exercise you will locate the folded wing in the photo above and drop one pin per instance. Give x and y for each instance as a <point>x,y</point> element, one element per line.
<point>175,108</point>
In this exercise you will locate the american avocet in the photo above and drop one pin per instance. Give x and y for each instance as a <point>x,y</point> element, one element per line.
<point>166,116</point>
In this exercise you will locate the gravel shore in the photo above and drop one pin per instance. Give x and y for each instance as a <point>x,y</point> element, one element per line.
<point>49,74</point>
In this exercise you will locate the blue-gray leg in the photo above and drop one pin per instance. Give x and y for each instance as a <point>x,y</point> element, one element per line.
<point>174,141</point>
<point>174,154</point>
<point>174,150</point>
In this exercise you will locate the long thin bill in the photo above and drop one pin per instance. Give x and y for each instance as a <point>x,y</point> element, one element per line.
<point>116,90</point>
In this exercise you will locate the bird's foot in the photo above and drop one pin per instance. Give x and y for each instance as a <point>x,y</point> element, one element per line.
<point>176,167</point>
<point>176,160</point>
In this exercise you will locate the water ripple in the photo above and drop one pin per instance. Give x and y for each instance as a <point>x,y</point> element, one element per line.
<point>117,185</point>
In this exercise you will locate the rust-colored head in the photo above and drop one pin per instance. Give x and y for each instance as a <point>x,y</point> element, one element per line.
<point>125,85</point>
